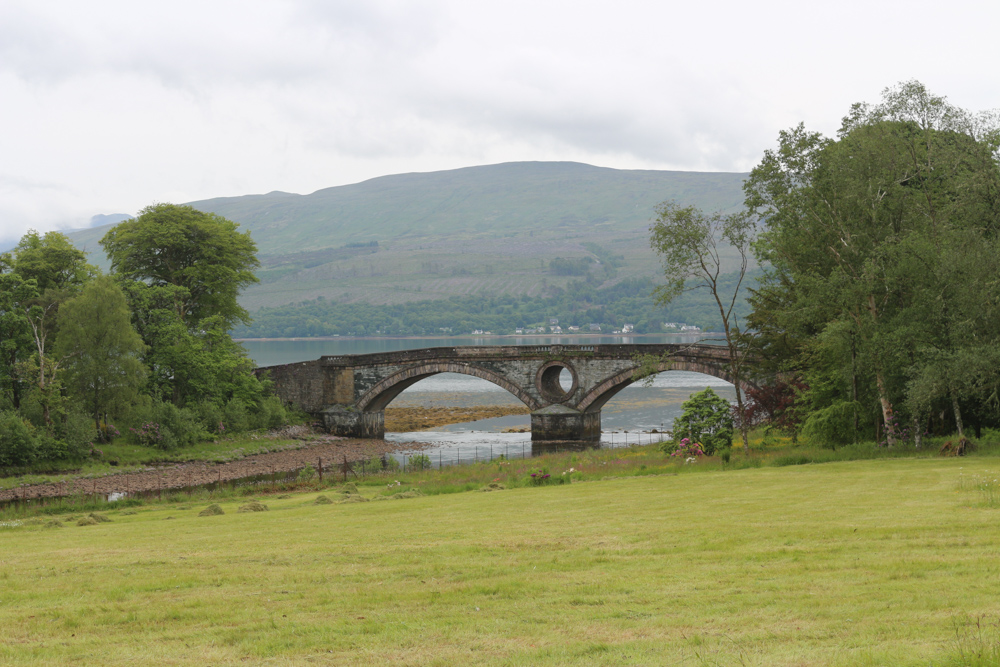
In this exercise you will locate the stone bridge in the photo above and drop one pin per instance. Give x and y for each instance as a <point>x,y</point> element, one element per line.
<point>350,393</point>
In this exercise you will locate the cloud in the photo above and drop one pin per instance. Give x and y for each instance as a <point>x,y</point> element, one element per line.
<point>110,106</point>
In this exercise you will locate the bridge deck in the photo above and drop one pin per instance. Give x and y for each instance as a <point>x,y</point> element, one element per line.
<point>491,352</point>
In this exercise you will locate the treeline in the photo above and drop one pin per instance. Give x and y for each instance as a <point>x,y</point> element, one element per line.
<point>581,304</point>
<point>883,293</point>
<point>143,353</point>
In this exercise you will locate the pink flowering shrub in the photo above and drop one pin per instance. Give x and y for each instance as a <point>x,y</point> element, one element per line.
<point>686,449</point>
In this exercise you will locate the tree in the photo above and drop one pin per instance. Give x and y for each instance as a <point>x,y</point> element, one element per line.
<point>690,243</point>
<point>708,419</point>
<point>56,269</point>
<point>864,233</point>
<point>15,333</point>
<point>100,350</point>
<point>52,261</point>
<point>202,253</point>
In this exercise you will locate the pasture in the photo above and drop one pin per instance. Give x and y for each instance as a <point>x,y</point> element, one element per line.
<point>880,562</point>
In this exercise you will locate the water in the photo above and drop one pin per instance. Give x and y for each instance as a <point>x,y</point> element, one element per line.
<point>628,418</point>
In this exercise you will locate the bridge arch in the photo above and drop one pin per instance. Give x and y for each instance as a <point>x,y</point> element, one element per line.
<point>606,390</point>
<point>383,393</point>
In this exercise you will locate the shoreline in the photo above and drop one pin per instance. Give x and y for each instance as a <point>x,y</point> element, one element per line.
<point>573,335</point>
<point>332,450</point>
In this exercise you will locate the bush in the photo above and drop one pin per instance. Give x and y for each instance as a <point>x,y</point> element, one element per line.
<point>832,425</point>
<point>708,419</point>
<point>211,417</point>
<point>168,427</point>
<point>420,462</point>
<point>235,417</point>
<point>271,414</point>
<point>18,444</point>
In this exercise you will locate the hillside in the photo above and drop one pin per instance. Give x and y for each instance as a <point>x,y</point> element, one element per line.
<point>490,230</point>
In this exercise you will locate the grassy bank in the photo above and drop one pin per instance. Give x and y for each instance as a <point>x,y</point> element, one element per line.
<point>847,563</point>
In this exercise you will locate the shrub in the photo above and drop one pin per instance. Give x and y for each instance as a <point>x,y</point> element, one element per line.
<point>707,419</point>
<point>420,462</point>
<point>211,417</point>
<point>234,416</point>
<point>686,449</point>
<point>832,425</point>
<point>271,414</point>
<point>18,444</point>
<point>540,477</point>
<point>168,427</point>
<point>307,473</point>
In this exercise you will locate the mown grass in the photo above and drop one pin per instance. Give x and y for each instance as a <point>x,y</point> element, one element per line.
<point>888,562</point>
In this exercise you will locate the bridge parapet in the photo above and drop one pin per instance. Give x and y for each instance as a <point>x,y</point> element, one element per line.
<point>350,392</point>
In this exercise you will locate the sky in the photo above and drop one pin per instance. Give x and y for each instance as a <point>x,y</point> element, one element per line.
<point>108,107</point>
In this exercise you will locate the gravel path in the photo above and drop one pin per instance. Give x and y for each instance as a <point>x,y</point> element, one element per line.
<point>331,449</point>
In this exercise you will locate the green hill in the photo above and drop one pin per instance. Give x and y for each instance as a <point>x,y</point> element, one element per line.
<point>491,231</point>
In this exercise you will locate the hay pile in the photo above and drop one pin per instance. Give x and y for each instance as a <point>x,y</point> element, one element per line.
<point>252,506</point>
<point>211,510</point>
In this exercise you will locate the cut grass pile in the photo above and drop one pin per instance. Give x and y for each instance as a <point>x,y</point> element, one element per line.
<point>889,562</point>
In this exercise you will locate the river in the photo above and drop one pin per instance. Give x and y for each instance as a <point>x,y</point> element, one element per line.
<point>629,417</point>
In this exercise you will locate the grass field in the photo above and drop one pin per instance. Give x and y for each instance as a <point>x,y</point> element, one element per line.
<point>884,562</point>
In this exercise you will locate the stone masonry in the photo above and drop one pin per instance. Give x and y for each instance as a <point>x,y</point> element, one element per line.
<point>349,393</point>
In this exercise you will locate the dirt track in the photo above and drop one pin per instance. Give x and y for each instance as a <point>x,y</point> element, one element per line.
<point>330,449</point>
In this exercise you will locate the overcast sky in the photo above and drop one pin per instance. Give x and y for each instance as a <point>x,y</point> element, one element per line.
<point>107,107</point>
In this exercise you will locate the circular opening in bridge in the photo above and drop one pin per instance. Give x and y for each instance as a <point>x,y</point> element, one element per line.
<point>556,381</point>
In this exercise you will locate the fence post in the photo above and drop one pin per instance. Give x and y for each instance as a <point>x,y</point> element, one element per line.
<point>319,462</point>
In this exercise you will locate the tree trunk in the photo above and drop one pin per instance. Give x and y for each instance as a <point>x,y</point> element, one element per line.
<point>958,415</point>
<point>887,415</point>
<point>743,422</point>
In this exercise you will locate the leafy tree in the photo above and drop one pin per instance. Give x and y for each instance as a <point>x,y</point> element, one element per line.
<point>707,418</point>
<point>689,243</point>
<point>57,270</point>
<point>203,254</point>
<point>100,349</point>
<point>864,233</point>
<point>16,341</point>
<point>52,261</point>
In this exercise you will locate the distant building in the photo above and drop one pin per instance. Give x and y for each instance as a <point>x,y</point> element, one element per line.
<point>671,325</point>
<point>554,320</point>
<point>628,328</point>
<point>555,329</point>
<point>690,328</point>
<point>594,327</point>
<point>573,328</point>
<point>519,330</point>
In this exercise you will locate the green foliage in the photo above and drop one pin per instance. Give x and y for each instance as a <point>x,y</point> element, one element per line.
<point>165,426</point>
<point>52,261</point>
<point>203,254</point>
<point>234,415</point>
<point>16,341</point>
<point>102,352</point>
<point>419,462</point>
<point>831,425</point>
<point>706,418</point>
<point>883,251</point>
<point>580,304</point>
<point>18,445</point>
